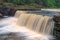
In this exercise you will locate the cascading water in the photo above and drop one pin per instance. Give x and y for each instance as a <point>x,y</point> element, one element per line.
<point>40,25</point>
<point>23,19</point>
<point>17,14</point>
<point>31,21</point>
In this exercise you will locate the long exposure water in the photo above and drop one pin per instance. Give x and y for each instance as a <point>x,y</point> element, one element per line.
<point>38,23</point>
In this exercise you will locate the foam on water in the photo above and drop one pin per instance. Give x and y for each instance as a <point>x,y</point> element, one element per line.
<point>18,13</point>
<point>30,26</point>
<point>28,34</point>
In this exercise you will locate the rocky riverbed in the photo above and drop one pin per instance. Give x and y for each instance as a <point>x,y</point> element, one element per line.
<point>57,26</point>
<point>7,11</point>
<point>11,12</point>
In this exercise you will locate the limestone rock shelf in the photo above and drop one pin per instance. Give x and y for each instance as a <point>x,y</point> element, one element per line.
<point>57,26</point>
<point>4,11</point>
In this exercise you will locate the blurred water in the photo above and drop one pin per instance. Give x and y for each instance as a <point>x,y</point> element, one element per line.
<point>7,23</point>
<point>48,13</point>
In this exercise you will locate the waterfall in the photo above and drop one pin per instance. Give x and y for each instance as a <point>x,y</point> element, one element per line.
<point>18,13</point>
<point>23,19</point>
<point>46,26</point>
<point>31,21</point>
<point>41,26</point>
<point>37,23</point>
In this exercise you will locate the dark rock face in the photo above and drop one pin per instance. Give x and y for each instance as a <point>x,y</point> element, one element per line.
<point>57,26</point>
<point>7,11</point>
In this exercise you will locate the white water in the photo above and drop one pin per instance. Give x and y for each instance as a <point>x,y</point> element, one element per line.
<point>38,23</point>
<point>31,26</point>
<point>18,13</point>
<point>23,19</point>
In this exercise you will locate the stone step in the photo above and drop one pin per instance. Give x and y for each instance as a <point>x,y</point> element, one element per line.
<point>57,25</point>
<point>56,31</point>
<point>58,20</point>
<point>57,38</point>
<point>57,28</point>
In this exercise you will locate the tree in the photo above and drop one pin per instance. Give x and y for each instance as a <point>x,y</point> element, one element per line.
<point>49,3</point>
<point>9,0</point>
<point>29,1</point>
<point>19,1</point>
<point>57,3</point>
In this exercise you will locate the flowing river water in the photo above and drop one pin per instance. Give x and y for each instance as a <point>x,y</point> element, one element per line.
<point>39,23</point>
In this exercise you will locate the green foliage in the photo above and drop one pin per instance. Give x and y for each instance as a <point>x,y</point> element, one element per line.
<point>38,1</point>
<point>21,1</point>
<point>58,3</point>
<point>45,3</point>
<point>9,0</point>
<point>29,1</point>
<point>49,3</point>
<point>35,5</point>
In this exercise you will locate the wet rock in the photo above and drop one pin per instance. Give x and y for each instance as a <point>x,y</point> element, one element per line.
<point>57,26</point>
<point>1,15</point>
<point>7,11</point>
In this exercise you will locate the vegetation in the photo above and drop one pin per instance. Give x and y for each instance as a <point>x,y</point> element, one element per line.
<point>37,3</point>
<point>49,3</point>
<point>58,3</point>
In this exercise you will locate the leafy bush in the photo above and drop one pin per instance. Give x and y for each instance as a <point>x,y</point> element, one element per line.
<point>45,3</point>
<point>49,3</point>
<point>58,3</point>
<point>35,5</point>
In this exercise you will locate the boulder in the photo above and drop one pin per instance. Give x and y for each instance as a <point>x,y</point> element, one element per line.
<point>57,26</point>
